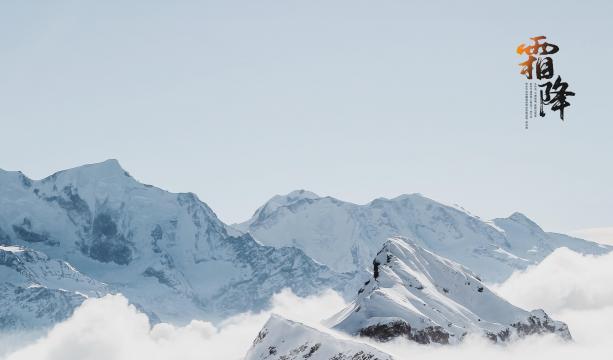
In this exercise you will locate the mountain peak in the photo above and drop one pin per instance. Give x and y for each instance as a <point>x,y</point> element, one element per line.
<point>290,198</point>
<point>107,166</point>
<point>279,201</point>
<point>104,169</point>
<point>410,196</point>
<point>299,195</point>
<point>397,243</point>
<point>523,219</point>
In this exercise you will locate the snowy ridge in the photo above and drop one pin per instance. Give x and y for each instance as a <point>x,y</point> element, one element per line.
<point>282,339</point>
<point>327,229</point>
<point>37,291</point>
<point>426,298</point>
<point>35,307</point>
<point>29,268</point>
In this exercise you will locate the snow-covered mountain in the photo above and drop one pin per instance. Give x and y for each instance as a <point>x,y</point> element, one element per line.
<point>426,298</point>
<point>282,339</point>
<point>166,252</point>
<point>346,236</point>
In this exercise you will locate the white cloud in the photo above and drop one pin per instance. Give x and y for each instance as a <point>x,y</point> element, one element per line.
<point>571,287</point>
<point>603,235</point>
<point>110,328</point>
<point>565,280</point>
<point>538,347</point>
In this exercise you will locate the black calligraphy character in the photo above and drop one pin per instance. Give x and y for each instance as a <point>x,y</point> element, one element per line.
<point>544,68</point>
<point>558,100</point>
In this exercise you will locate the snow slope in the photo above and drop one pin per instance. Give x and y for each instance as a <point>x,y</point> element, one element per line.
<point>282,339</point>
<point>37,291</point>
<point>426,298</point>
<point>346,236</point>
<point>166,252</point>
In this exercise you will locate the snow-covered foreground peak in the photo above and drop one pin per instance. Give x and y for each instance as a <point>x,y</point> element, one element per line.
<point>167,252</point>
<point>328,229</point>
<point>424,297</point>
<point>282,339</point>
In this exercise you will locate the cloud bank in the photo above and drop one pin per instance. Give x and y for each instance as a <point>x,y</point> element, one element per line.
<point>571,287</point>
<point>110,328</point>
<point>565,280</point>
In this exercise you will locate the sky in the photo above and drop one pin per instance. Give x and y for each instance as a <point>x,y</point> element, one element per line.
<point>237,101</point>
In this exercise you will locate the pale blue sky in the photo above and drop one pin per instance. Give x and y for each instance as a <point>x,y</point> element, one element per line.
<point>240,100</point>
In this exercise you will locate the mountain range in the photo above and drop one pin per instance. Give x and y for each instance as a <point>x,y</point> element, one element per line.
<point>412,267</point>
<point>346,237</point>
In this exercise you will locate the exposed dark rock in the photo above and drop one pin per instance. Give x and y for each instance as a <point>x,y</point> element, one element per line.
<point>25,181</point>
<point>375,264</point>
<point>312,350</point>
<point>156,235</point>
<point>108,245</point>
<point>161,277</point>
<point>25,232</point>
<point>261,335</point>
<point>389,331</point>
<point>110,251</point>
<point>540,325</point>
<point>360,355</point>
<point>77,209</point>
<point>533,325</point>
<point>104,226</point>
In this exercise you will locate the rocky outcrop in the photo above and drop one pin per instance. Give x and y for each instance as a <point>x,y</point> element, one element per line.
<point>399,328</point>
